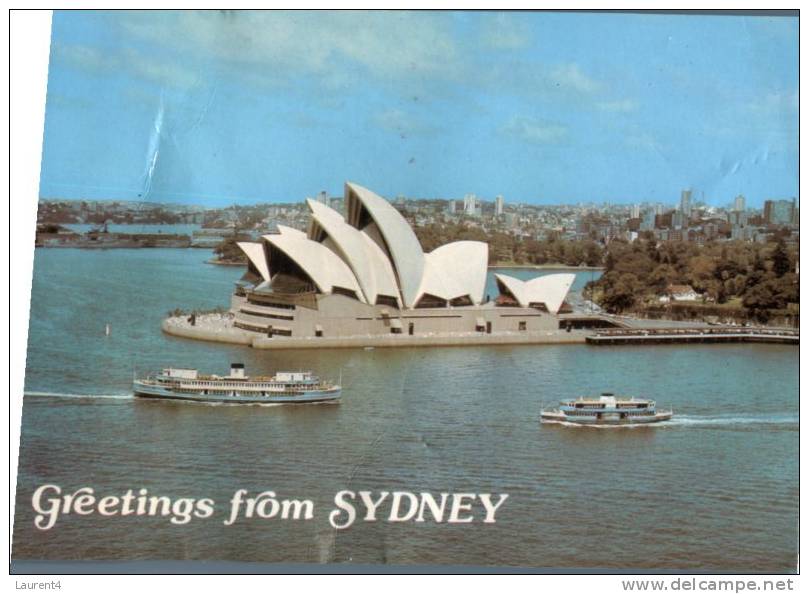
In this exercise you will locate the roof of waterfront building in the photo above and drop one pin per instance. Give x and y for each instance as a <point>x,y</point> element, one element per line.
<point>550,289</point>
<point>373,255</point>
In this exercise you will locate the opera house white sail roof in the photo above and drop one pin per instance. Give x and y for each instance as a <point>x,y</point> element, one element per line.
<point>398,238</point>
<point>374,256</point>
<point>456,270</point>
<point>550,289</point>
<point>368,262</point>
<point>322,265</point>
<point>258,258</point>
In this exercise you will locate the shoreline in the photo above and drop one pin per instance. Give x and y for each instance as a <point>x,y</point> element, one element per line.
<point>216,262</point>
<point>547,267</point>
<point>218,327</point>
<point>114,246</point>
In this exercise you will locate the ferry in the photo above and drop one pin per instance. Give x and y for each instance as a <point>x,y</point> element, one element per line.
<point>606,410</point>
<point>238,388</point>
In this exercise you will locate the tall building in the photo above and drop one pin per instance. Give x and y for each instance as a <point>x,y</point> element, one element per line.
<point>779,212</point>
<point>451,207</point>
<point>635,214</point>
<point>658,209</point>
<point>738,203</point>
<point>470,205</point>
<point>323,197</point>
<point>648,222</point>
<point>498,206</point>
<point>737,217</point>
<point>685,203</point>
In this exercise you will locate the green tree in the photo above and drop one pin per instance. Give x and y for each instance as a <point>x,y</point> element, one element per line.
<point>621,292</point>
<point>762,296</point>
<point>592,253</point>
<point>700,273</point>
<point>228,251</point>
<point>661,277</point>
<point>780,259</point>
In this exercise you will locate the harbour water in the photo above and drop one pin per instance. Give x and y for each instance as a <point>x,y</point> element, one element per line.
<point>147,229</point>
<point>715,489</point>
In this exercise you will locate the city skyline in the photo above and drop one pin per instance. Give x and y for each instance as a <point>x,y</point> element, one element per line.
<point>541,108</point>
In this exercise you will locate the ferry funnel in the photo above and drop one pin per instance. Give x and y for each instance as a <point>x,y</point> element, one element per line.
<point>237,370</point>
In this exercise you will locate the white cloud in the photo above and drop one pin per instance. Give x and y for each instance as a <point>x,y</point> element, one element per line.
<point>533,130</point>
<point>409,53</point>
<point>504,32</point>
<point>84,57</point>
<point>620,106</point>
<point>159,71</point>
<point>570,76</point>
<point>342,49</point>
<point>91,59</point>
<point>533,79</point>
<point>400,44</point>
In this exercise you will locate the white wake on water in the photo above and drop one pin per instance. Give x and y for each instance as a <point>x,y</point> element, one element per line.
<point>198,403</point>
<point>84,396</point>
<point>693,421</point>
<point>687,420</point>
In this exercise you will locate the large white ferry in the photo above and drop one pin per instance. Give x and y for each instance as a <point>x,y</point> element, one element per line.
<point>606,410</point>
<point>283,387</point>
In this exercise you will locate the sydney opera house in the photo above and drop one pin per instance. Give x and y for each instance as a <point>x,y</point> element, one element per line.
<point>366,274</point>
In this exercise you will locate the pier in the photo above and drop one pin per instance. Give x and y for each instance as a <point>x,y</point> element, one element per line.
<point>684,335</point>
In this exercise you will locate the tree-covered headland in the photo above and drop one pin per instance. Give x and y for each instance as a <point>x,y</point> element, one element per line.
<point>741,280</point>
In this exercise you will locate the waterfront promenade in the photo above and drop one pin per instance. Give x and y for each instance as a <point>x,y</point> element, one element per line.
<point>219,328</point>
<point>674,335</point>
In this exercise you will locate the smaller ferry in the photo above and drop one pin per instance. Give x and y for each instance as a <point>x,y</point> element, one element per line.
<point>283,387</point>
<point>606,410</point>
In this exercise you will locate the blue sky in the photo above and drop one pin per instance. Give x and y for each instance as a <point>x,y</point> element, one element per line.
<point>227,107</point>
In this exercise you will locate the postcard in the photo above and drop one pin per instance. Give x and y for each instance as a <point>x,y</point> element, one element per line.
<point>447,291</point>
